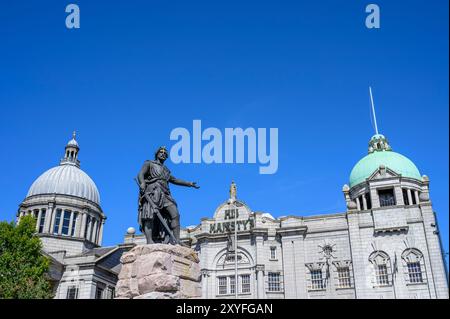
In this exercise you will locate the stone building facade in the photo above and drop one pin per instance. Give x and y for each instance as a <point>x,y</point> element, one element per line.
<point>385,244</point>
<point>69,221</point>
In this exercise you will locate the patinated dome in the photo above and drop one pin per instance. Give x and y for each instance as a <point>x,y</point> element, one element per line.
<point>380,153</point>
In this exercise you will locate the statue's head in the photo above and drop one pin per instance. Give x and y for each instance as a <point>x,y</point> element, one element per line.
<point>161,154</point>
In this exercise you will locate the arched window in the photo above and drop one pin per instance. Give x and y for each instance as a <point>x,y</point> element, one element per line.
<point>382,267</point>
<point>413,266</point>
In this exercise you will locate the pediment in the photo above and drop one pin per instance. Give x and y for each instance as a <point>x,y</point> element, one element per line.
<point>382,172</point>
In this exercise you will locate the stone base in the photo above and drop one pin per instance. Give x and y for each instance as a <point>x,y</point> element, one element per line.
<point>159,271</point>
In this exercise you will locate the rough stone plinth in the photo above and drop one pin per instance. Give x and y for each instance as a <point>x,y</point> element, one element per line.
<point>159,271</point>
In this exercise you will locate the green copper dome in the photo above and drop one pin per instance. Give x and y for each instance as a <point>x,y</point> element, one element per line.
<point>380,154</point>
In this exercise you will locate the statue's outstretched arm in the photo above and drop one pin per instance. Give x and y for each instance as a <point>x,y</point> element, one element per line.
<point>180,182</point>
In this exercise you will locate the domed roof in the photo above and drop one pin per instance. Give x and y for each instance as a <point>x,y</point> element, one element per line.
<point>66,180</point>
<point>380,153</point>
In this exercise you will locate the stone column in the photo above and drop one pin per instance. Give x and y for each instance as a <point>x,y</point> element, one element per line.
<point>61,222</point>
<point>100,233</point>
<point>48,218</point>
<point>416,195</point>
<point>409,197</point>
<point>83,225</point>
<point>89,227</point>
<point>204,282</point>
<point>364,201</point>
<point>260,281</point>
<point>77,222</point>
<point>358,204</point>
<point>94,231</point>
<point>70,224</point>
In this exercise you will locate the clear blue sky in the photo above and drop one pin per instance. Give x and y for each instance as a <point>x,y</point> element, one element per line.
<point>137,69</point>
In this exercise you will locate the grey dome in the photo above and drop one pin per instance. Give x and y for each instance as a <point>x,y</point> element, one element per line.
<point>66,180</point>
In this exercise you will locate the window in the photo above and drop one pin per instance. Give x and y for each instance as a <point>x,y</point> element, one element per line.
<point>382,275</point>
<point>232,285</point>
<point>57,221</point>
<point>66,223</point>
<point>72,292</point>
<point>274,281</point>
<point>99,293</point>
<point>92,229</point>
<point>110,293</point>
<point>413,265</point>
<point>317,281</point>
<point>72,231</point>
<point>88,220</point>
<point>415,272</point>
<point>387,197</point>
<point>222,285</point>
<point>245,284</point>
<point>413,197</point>
<point>42,221</point>
<point>405,196</point>
<point>368,200</point>
<point>344,277</point>
<point>273,253</point>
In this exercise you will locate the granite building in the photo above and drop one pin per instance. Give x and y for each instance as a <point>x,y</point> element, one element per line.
<point>66,204</point>
<point>385,245</point>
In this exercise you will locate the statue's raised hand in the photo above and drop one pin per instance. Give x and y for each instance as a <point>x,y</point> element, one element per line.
<point>194,184</point>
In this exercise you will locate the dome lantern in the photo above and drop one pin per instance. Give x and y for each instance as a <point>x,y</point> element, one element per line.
<point>71,152</point>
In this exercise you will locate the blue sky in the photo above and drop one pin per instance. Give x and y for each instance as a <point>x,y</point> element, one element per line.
<point>136,70</point>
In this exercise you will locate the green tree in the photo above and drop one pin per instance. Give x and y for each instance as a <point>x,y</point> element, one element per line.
<point>23,267</point>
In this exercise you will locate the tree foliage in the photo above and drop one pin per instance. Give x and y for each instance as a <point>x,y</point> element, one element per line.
<point>23,267</point>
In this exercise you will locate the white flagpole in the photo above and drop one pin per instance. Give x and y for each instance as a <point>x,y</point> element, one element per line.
<point>373,110</point>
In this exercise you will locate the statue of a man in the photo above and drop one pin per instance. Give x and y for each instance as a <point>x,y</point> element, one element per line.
<point>155,200</point>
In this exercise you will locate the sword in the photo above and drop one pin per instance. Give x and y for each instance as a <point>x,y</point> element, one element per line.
<point>158,214</point>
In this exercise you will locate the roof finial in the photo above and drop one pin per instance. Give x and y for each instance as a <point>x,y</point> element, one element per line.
<point>74,134</point>
<point>233,190</point>
<point>373,111</point>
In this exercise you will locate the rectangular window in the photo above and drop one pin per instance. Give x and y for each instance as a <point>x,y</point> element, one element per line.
<point>57,221</point>
<point>273,252</point>
<point>42,221</point>
<point>317,281</point>
<point>88,220</point>
<point>368,200</point>
<point>232,285</point>
<point>222,284</point>
<point>405,196</point>
<point>99,293</point>
<point>66,223</point>
<point>382,275</point>
<point>415,272</point>
<point>72,292</point>
<point>274,281</point>
<point>245,284</point>
<point>344,277</point>
<point>387,197</point>
<point>413,197</point>
<point>72,232</point>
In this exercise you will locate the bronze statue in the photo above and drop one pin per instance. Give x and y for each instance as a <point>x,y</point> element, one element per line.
<point>158,214</point>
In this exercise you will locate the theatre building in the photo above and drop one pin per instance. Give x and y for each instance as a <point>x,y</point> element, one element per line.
<point>385,244</point>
